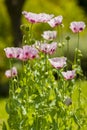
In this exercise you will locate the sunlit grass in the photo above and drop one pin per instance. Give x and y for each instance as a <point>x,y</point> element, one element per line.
<point>83,85</point>
<point>3,114</point>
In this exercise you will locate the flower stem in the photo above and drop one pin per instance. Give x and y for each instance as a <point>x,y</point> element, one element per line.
<point>59,33</point>
<point>78,41</point>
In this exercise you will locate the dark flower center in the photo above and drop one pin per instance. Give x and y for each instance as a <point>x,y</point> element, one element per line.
<point>81,29</point>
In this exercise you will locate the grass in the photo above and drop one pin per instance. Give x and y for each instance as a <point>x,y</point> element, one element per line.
<point>83,85</point>
<point>4,116</point>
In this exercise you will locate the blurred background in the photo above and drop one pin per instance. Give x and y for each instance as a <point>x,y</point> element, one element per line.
<point>11,18</point>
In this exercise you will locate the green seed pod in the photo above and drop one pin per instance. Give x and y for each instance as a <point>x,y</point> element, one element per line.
<point>67,37</point>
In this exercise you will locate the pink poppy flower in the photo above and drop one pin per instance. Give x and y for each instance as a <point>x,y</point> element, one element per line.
<point>77,26</point>
<point>12,52</point>
<point>58,62</point>
<point>37,18</point>
<point>29,52</point>
<point>11,73</point>
<point>9,52</point>
<point>69,74</point>
<point>55,21</point>
<point>48,48</point>
<point>33,53</point>
<point>43,17</point>
<point>49,35</point>
<point>17,52</point>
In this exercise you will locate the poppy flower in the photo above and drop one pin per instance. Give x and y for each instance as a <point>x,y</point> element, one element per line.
<point>28,52</point>
<point>55,21</point>
<point>37,18</point>
<point>58,62</point>
<point>48,48</point>
<point>69,74</point>
<point>12,52</point>
<point>77,26</point>
<point>11,72</point>
<point>49,35</point>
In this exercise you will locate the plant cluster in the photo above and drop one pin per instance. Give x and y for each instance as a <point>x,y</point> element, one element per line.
<point>41,89</point>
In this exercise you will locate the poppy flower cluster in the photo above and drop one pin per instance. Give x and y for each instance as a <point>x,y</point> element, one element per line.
<point>43,18</point>
<point>28,52</point>
<point>25,53</point>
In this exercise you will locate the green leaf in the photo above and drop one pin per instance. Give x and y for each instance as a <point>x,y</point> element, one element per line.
<point>31,113</point>
<point>48,118</point>
<point>4,127</point>
<point>18,90</point>
<point>7,108</point>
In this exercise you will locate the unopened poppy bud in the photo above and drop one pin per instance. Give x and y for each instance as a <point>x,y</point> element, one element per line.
<point>78,60</point>
<point>24,27</point>
<point>62,25</point>
<point>25,41</point>
<point>74,66</point>
<point>79,51</point>
<point>32,41</point>
<point>59,45</point>
<point>80,55</point>
<point>76,50</point>
<point>63,43</point>
<point>27,28</point>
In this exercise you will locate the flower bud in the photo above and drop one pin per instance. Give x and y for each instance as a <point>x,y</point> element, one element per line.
<point>59,45</point>
<point>78,60</point>
<point>80,55</point>
<point>76,50</point>
<point>74,66</point>
<point>79,51</point>
<point>63,43</point>
<point>24,27</point>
